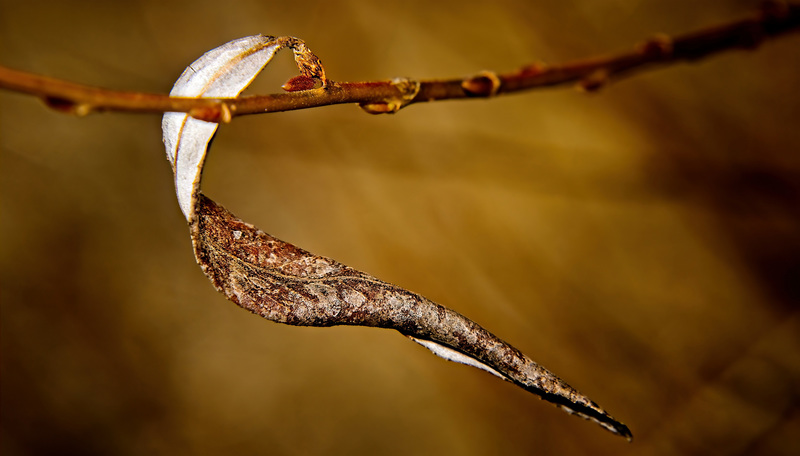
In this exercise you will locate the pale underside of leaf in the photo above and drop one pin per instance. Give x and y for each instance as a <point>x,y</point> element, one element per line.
<point>455,356</point>
<point>223,72</point>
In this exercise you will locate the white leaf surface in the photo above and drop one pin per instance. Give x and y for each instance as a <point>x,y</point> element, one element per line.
<point>219,73</point>
<point>455,356</point>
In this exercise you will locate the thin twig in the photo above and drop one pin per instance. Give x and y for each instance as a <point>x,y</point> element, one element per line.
<point>774,19</point>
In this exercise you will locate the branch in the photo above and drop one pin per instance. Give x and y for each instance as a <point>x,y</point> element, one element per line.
<point>775,18</point>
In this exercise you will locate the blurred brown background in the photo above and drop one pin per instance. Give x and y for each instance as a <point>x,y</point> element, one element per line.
<point>642,242</point>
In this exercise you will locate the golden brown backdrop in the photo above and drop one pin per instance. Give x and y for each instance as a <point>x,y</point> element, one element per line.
<point>642,242</point>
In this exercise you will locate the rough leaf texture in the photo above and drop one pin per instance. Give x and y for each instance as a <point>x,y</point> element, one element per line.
<point>286,284</point>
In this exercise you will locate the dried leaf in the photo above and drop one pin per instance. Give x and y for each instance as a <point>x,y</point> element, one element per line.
<point>286,284</point>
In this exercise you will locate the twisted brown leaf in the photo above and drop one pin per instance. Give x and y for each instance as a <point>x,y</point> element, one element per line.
<point>286,284</point>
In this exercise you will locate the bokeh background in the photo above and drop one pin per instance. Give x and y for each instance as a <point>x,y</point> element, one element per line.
<point>642,242</point>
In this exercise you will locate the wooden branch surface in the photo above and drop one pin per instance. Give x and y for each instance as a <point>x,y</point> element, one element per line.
<point>774,19</point>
